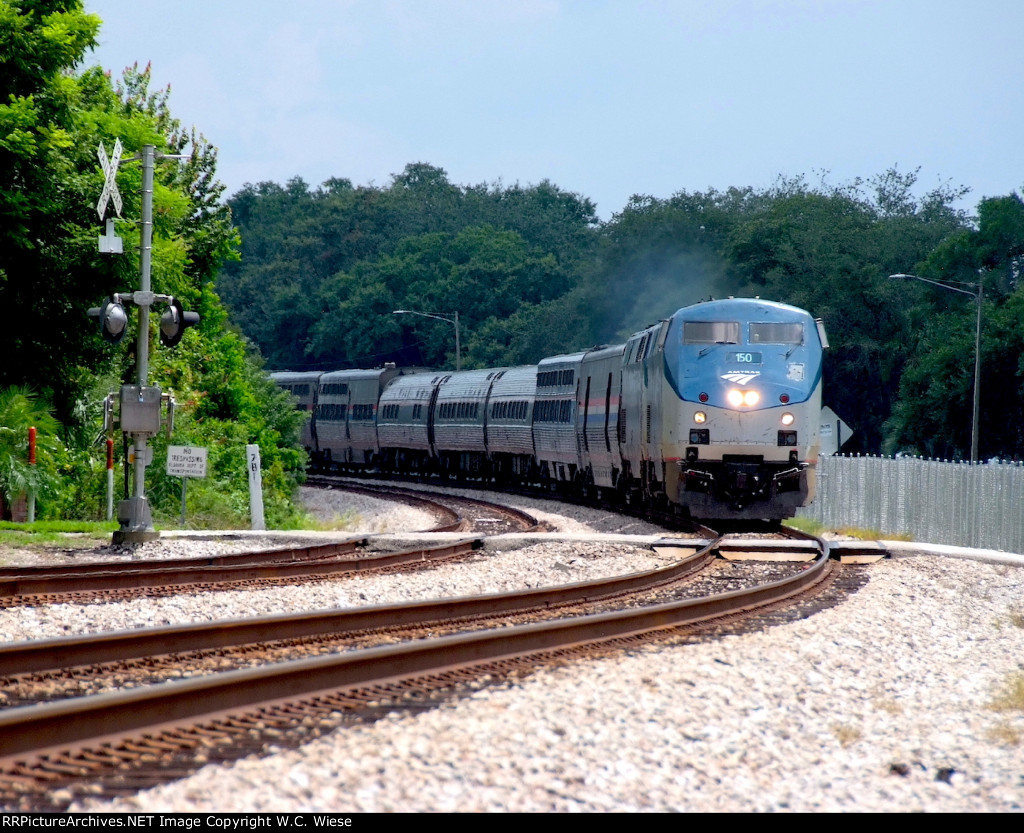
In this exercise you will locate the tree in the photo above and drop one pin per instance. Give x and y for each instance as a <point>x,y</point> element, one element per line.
<point>20,409</point>
<point>933,413</point>
<point>51,123</point>
<point>48,264</point>
<point>304,249</point>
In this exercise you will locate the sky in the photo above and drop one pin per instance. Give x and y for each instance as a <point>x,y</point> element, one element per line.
<point>604,98</point>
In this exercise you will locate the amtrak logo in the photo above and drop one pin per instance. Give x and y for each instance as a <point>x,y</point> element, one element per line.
<point>741,378</point>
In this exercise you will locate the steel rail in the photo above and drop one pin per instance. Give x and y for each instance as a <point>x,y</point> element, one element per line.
<point>311,552</point>
<point>416,496</point>
<point>14,584</point>
<point>38,731</point>
<point>55,654</point>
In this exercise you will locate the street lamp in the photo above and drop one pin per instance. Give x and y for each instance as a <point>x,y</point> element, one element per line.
<point>450,317</point>
<point>976,292</point>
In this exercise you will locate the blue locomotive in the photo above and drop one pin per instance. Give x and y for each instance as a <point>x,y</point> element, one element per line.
<point>714,411</point>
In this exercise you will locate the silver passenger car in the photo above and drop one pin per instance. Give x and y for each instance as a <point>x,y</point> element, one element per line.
<point>346,415</point>
<point>303,386</point>
<point>510,421</point>
<point>460,420</point>
<point>554,416</point>
<point>405,426</point>
<point>597,418</point>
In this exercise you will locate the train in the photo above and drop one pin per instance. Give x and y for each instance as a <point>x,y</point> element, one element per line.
<point>712,413</point>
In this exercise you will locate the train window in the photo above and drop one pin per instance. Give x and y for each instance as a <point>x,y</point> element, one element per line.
<point>770,332</point>
<point>711,332</point>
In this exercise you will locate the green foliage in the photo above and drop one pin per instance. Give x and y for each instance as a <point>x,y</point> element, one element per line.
<point>934,411</point>
<point>20,409</point>
<point>322,270</point>
<point>227,402</point>
<point>532,274</point>
<point>51,122</point>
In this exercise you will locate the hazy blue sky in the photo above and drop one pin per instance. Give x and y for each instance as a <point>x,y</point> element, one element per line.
<point>606,98</point>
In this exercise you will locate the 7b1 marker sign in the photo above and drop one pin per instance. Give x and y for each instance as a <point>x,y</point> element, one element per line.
<point>186,461</point>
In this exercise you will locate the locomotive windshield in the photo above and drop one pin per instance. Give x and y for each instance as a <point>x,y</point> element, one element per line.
<point>774,333</point>
<point>711,332</point>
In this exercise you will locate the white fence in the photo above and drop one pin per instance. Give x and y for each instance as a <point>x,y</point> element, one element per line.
<point>931,500</point>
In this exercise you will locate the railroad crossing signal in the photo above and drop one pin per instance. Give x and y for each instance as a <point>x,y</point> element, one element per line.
<point>110,191</point>
<point>174,321</point>
<point>113,319</point>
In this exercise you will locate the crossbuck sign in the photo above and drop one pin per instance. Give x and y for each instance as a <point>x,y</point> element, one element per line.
<point>110,191</point>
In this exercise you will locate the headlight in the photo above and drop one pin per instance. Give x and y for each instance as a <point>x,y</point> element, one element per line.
<point>788,419</point>
<point>749,398</point>
<point>700,417</point>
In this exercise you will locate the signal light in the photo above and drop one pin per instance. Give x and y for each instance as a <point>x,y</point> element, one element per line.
<point>174,322</point>
<point>113,319</point>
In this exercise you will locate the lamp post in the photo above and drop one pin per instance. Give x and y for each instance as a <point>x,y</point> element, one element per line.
<point>450,317</point>
<point>976,292</point>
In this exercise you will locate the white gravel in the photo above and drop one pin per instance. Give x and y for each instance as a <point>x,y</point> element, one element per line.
<point>822,714</point>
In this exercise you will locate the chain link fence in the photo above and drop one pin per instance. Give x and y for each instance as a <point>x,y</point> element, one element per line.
<point>936,501</point>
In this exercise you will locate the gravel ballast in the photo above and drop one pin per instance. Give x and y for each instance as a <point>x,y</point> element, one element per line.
<point>884,703</point>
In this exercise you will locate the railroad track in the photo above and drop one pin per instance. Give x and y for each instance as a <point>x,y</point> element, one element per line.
<point>68,666</point>
<point>127,739</point>
<point>471,514</point>
<point>104,581</point>
<point>112,581</point>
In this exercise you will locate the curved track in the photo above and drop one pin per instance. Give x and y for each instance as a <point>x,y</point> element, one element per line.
<point>143,731</point>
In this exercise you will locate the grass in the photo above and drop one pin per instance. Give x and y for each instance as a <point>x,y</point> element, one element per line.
<point>50,532</point>
<point>343,522</point>
<point>846,735</point>
<point>814,527</point>
<point>1011,697</point>
<point>1005,734</point>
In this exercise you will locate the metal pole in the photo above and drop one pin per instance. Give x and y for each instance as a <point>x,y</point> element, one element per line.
<point>32,462</point>
<point>978,297</point>
<point>142,347</point>
<point>450,317</point>
<point>110,479</point>
<point>136,524</point>
<point>145,263</point>
<point>458,349</point>
<point>977,377</point>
